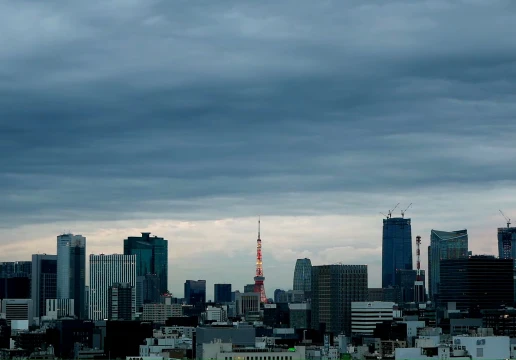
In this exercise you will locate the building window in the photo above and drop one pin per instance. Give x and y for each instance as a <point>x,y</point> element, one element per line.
<point>480,352</point>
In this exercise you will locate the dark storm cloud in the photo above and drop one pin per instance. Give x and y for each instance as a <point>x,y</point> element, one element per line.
<point>117,109</point>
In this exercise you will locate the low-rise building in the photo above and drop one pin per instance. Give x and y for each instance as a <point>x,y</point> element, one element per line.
<point>227,351</point>
<point>159,313</point>
<point>366,315</point>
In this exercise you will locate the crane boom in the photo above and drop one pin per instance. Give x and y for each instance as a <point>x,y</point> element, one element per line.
<point>506,218</point>
<point>404,211</point>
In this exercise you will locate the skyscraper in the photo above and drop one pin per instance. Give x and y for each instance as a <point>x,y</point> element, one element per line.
<point>106,270</point>
<point>303,276</point>
<point>444,245</point>
<point>44,281</point>
<point>152,257</point>
<point>334,288</point>
<point>120,304</point>
<point>195,292</point>
<point>476,282</point>
<point>396,248</point>
<point>222,293</point>
<point>507,243</point>
<point>71,271</point>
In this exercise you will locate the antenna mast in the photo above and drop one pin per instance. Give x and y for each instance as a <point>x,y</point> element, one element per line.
<point>259,278</point>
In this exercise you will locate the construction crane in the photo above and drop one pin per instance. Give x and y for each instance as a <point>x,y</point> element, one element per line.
<point>506,218</point>
<point>390,211</point>
<point>404,211</point>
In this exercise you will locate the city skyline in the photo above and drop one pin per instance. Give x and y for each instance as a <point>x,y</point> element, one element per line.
<point>188,121</point>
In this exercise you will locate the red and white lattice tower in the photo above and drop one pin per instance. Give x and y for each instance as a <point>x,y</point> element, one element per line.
<point>259,278</point>
<point>419,284</point>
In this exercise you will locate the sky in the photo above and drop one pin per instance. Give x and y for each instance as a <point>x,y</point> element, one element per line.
<point>189,119</point>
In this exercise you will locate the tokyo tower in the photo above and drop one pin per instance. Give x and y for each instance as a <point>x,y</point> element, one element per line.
<point>259,278</point>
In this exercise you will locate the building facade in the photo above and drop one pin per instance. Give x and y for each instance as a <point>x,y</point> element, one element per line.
<point>106,270</point>
<point>444,245</point>
<point>405,281</point>
<point>303,276</point>
<point>71,271</point>
<point>159,313</point>
<point>18,309</point>
<point>195,292</point>
<point>222,293</point>
<point>365,315</point>
<point>59,308</point>
<point>43,281</point>
<point>247,303</point>
<point>334,288</point>
<point>507,243</point>
<point>396,248</point>
<point>152,257</point>
<point>476,283</point>
<point>120,301</point>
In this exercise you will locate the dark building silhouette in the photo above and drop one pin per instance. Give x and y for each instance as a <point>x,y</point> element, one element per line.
<point>70,332</point>
<point>334,287</point>
<point>15,288</point>
<point>396,248</point>
<point>43,281</point>
<point>222,293</point>
<point>120,301</point>
<point>152,257</point>
<point>195,292</point>
<point>276,315</point>
<point>151,289</point>
<point>405,280</point>
<point>123,338</point>
<point>477,282</point>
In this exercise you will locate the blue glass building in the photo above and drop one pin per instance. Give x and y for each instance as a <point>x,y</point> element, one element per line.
<point>222,293</point>
<point>444,245</point>
<point>396,249</point>
<point>151,257</point>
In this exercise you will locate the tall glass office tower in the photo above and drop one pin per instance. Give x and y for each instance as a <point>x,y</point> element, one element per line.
<point>71,271</point>
<point>444,245</point>
<point>151,257</point>
<point>303,276</point>
<point>396,249</point>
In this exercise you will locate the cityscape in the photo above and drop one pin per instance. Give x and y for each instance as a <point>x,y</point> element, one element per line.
<point>49,310</point>
<point>257,180</point>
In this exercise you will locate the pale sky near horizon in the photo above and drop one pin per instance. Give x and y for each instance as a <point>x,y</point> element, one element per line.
<point>190,119</point>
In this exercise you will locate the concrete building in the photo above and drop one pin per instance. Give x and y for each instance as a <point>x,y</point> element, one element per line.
<point>43,282</point>
<point>375,294</point>
<point>219,350</point>
<point>71,271</point>
<point>365,315</point>
<point>241,335</point>
<point>18,310</point>
<point>121,301</point>
<point>216,313</point>
<point>59,308</point>
<point>485,347</point>
<point>159,313</point>
<point>303,276</point>
<point>334,288</point>
<point>247,302</point>
<point>106,270</point>
<point>444,245</point>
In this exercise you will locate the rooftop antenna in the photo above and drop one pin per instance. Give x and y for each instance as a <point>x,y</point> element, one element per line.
<point>404,211</point>
<point>258,226</point>
<point>506,218</point>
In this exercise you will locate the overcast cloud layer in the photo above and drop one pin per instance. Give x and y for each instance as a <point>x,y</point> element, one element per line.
<point>189,119</point>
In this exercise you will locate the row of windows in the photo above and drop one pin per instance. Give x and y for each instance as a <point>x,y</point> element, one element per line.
<point>258,358</point>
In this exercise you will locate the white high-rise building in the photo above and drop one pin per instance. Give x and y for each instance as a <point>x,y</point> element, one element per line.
<point>365,315</point>
<point>106,270</point>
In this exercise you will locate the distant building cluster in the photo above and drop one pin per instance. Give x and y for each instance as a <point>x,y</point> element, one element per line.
<point>125,310</point>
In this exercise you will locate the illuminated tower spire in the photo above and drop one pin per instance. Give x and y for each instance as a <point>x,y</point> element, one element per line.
<point>259,278</point>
